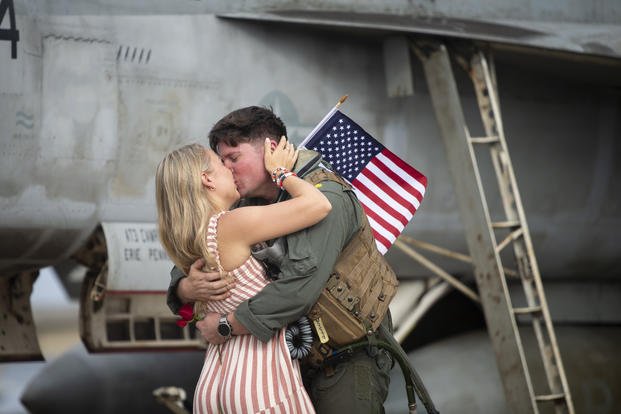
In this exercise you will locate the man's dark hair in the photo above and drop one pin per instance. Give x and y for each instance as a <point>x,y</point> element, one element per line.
<point>246,125</point>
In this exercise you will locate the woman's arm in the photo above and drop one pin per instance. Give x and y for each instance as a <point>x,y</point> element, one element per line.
<point>308,206</point>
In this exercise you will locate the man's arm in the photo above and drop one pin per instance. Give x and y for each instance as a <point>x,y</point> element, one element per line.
<point>310,259</point>
<point>208,327</point>
<point>198,286</point>
<point>172,299</point>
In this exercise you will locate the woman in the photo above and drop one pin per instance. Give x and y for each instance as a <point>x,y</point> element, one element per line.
<point>194,191</point>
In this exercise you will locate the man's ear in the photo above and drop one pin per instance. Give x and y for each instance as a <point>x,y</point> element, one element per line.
<point>273,144</point>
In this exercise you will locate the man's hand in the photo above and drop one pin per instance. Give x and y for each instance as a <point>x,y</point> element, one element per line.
<point>208,327</point>
<point>204,286</point>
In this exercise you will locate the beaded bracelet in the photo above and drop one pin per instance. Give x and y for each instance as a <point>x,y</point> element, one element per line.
<point>277,171</point>
<point>281,178</point>
<point>279,174</point>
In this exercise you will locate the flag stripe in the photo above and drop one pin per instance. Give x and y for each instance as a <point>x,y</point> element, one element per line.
<point>382,190</point>
<point>398,179</point>
<point>408,169</point>
<point>385,237</point>
<point>377,204</point>
<point>383,201</point>
<point>392,189</point>
<point>379,219</point>
<point>382,249</point>
<point>379,239</point>
<point>407,182</point>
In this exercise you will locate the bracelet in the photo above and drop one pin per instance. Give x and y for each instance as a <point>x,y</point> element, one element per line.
<point>277,171</point>
<point>279,174</point>
<point>281,178</point>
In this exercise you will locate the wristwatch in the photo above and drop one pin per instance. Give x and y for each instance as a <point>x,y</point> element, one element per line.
<point>224,327</point>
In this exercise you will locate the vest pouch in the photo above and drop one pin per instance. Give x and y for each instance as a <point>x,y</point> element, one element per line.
<point>359,290</point>
<point>331,320</point>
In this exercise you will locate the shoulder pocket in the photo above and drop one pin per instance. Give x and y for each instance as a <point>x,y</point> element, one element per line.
<point>300,253</point>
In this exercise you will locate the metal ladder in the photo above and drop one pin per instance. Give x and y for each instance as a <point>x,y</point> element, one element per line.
<point>500,314</point>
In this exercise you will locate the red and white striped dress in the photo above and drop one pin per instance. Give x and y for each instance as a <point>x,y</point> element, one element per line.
<point>247,375</point>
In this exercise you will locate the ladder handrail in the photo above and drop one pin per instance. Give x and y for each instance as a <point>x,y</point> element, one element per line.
<point>489,273</point>
<point>480,230</point>
<point>513,207</point>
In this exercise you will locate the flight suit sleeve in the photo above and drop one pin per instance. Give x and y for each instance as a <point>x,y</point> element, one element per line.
<point>173,301</point>
<point>311,255</point>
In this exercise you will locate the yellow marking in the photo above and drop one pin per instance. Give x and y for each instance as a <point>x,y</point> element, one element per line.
<point>321,331</point>
<point>318,185</point>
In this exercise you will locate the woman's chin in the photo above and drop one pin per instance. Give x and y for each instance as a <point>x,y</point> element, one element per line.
<point>235,200</point>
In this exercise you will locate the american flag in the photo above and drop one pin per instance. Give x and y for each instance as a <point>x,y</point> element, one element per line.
<point>389,189</point>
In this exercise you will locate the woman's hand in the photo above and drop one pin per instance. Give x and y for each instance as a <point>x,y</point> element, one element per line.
<point>284,155</point>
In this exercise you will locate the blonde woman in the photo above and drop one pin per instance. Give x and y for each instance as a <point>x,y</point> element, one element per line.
<point>194,192</point>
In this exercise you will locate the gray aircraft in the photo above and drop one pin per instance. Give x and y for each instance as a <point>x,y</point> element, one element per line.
<point>92,96</point>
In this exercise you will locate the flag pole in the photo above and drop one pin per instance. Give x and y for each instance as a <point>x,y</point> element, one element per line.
<point>323,121</point>
<point>343,99</point>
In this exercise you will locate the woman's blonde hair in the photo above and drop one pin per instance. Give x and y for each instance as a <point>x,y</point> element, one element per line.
<point>183,209</point>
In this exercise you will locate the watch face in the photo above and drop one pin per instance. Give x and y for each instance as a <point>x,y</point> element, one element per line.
<point>224,329</point>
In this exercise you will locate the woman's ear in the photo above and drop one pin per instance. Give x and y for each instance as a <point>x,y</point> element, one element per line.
<point>207,181</point>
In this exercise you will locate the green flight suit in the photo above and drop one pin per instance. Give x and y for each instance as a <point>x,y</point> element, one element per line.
<point>310,257</point>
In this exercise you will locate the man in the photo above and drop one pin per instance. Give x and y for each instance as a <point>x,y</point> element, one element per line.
<point>358,384</point>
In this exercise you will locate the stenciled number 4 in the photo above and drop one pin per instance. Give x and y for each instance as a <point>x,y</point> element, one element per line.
<point>11,34</point>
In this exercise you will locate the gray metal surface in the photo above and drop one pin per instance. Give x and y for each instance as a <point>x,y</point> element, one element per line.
<point>397,67</point>
<point>93,102</point>
<point>588,37</point>
<point>473,385</point>
<point>100,91</point>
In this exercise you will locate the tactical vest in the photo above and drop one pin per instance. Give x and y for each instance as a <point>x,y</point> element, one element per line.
<point>356,297</point>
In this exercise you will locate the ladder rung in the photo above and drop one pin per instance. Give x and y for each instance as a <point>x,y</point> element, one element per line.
<point>484,140</point>
<point>511,272</point>
<point>526,310</point>
<point>550,397</point>
<point>505,224</point>
<point>512,236</point>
